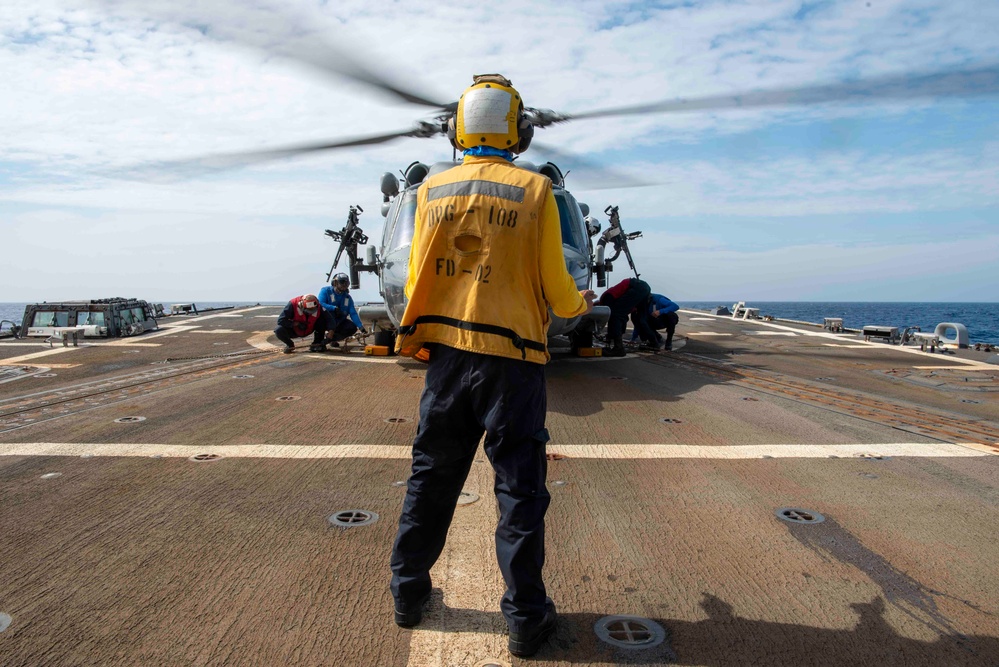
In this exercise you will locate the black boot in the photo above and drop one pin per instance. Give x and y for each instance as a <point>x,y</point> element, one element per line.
<point>617,350</point>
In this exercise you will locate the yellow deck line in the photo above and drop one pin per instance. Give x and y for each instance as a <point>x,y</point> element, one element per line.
<point>19,361</point>
<point>642,451</point>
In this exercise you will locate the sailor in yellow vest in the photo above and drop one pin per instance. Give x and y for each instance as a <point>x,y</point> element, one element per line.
<point>485,265</point>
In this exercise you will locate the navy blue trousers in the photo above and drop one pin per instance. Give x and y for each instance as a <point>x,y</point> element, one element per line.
<point>466,395</point>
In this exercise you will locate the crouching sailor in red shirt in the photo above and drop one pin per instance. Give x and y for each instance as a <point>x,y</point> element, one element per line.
<point>301,317</point>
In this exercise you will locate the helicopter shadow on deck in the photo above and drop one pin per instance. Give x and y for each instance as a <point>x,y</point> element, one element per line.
<point>725,639</point>
<point>581,388</point>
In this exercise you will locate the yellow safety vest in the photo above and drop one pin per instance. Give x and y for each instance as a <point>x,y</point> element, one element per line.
<point>475,278</point>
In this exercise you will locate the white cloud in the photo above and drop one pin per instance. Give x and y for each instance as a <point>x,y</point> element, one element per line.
<point>104,84</point>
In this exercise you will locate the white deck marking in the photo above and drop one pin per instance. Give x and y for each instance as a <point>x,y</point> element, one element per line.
<point>707,333</point>
<point>719,452</point>
<point>469,578</point>
<point>853,346</point>
<point>126,342</point>
<point>217,331</point>
<point>19,361</point>
<point>839,337</point>
<point>233,313</point>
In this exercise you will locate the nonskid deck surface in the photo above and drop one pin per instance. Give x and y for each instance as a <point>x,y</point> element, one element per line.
<point>667,476</point>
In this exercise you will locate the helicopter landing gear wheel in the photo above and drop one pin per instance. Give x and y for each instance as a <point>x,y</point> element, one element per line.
<point>386,338</point>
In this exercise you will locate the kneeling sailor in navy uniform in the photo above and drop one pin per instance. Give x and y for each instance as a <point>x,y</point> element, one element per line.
<point>339,306</point>
<point>485,265</point>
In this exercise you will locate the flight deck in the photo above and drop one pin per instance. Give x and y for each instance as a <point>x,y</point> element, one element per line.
<point>766,494</point>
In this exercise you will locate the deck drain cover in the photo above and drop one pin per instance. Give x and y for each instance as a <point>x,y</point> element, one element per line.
<point>397,420</point>
<point>352,518</point>
<point>5,620</point>
<point>798,515</point>
<point>669,420</point>
<point>554,457</point>
<point>287,398</point>
<point>629,632</point>
<point>241,377</point>
<point>467,498</point>
<point>51,475</point>
<point>129,420</point>
<point>199,458</point>
<point>491,663</point>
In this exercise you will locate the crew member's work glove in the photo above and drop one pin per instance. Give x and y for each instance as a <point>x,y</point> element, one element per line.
<point>364,332</point>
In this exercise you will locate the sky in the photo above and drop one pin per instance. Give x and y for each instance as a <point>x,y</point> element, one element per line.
<point>888,200</point>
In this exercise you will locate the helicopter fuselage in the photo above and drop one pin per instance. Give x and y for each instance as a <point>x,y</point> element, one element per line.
<point>397,236</point>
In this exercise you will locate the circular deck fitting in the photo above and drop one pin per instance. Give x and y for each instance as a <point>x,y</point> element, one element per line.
<point>46,375</point>
<point>202,458</point>
<point>51,475</point>
<point>491,663</point>
<point>241,377</point>
<point>559,482</point>
<point>632,632</point>
<point>873,457</point>
<point>397,420</point>
<point>129,420</point>
<point>5,620</point>
<point>399,483</point>
<point>467,498</point>
<point>670,420</point>
<point>287,398</point>
<point>352,518</point>
<point>554,457</point>
<point>798,515</point>
<point>749,398</point>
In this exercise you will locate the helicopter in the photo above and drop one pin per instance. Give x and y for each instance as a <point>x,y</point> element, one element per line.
<point>585,259</point>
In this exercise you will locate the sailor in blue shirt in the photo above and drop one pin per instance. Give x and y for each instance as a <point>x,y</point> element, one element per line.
<point>337,302</point>
<point>659,313</point>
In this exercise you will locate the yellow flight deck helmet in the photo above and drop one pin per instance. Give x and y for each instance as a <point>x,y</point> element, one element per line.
<point>491,113</point>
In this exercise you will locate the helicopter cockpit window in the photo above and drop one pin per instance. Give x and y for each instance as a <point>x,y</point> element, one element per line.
<point>572,223</point>
<point>405,221</point>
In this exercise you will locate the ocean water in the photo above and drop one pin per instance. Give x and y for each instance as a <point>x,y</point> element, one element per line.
<point>981,319</point>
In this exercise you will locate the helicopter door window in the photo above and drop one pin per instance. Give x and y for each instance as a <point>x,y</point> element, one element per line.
<point>92,319</point>
<point>405,221</point>
<point>571,228</point>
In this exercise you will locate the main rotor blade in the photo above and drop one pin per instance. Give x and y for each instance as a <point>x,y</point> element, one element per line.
<point>277,31</point>
<point>591,175</point>
<point>963,83</point>
<point>174,170</point>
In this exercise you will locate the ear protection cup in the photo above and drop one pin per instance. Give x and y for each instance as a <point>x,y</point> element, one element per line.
<point>526,132</point>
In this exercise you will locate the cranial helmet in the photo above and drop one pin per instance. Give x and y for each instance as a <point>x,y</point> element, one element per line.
<point>490,113</point>
<point>310,302</point>
<point>341,282</point>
